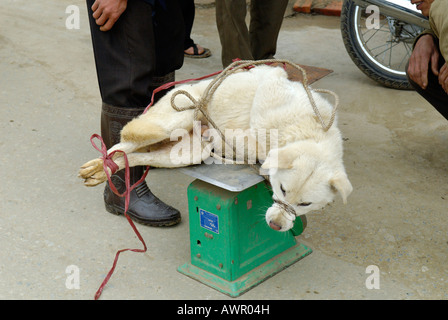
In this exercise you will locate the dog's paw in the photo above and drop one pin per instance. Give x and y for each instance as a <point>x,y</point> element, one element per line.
<point>93,173</point>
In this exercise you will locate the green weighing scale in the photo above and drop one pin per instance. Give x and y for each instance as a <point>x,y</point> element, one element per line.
<point>232,247</point>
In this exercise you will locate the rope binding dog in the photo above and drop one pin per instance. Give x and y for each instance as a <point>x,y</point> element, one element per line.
<point>201,106</point>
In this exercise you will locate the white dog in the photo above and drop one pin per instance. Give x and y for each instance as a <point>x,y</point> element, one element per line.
<point>305,166</point>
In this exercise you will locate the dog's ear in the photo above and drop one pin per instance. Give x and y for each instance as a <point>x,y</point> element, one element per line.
<point>271,160</point>
<point>281,158</point>
<point>341,183</point>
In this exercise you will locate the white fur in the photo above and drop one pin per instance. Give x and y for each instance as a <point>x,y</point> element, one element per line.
<point>307,163</point>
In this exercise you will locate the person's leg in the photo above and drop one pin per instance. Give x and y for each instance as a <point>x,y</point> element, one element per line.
<point>188,12</point>
<point>434,92</point>
<point>123,76</point>
<point>125,59</point>
<point>265,23</point>
<point>191,49</point>
<point>169,34</point>
<point>233,32</point>
<point>144,206</point>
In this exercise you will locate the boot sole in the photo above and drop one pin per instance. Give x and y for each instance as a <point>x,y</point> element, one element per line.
<point>162,223</point>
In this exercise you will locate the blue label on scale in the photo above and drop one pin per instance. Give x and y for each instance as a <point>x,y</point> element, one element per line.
<point>209,221</point>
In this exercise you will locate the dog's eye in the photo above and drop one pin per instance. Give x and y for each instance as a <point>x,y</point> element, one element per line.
<point>304,204</point>
<point>283,190</point>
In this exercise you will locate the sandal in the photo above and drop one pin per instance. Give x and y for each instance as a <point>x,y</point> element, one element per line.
<point>205,54</point>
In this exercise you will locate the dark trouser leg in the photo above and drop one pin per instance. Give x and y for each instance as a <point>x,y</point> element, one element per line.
<point>433,93</point>
<point>125,66</point>
<point>266,17</point>
<point>126,55</point>
<point>188,12</point>
<point>257,42</point>
<point>233,31</point>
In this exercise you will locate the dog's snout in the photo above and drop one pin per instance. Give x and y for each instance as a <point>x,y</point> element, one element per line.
<point>274,226</point>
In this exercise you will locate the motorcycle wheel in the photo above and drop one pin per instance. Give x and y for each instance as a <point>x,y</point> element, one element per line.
<point>381,52</point>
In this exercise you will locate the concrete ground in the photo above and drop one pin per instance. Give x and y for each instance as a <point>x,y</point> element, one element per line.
<point>396,154</point>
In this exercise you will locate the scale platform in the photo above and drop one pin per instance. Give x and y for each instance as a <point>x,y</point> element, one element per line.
<point>232,247</point>
<point>232,177</point>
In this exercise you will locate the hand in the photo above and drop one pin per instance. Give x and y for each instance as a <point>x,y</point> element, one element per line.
<point>425,53</point>
<point>107,12</point>
<point>443,77</point>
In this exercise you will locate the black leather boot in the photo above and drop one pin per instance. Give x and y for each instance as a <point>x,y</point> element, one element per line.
<point>144,206</point>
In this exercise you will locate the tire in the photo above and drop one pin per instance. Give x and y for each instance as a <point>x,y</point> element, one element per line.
<point>365,46</point>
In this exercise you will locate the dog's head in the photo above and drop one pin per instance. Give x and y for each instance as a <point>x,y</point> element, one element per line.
<point>306,177</point>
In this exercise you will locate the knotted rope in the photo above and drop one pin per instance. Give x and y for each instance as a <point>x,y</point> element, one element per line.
<point>201,104</point>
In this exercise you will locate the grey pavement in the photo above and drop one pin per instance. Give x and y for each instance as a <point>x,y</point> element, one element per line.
<point>396,154</point>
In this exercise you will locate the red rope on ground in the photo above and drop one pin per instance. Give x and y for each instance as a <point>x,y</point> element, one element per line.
<point>109,163</point>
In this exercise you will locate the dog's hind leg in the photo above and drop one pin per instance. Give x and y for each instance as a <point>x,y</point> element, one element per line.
<point>162,119</point>
<point>155,127</point>
<point>173,154</point>
<point>170,155</point>
<point>142,132</point>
